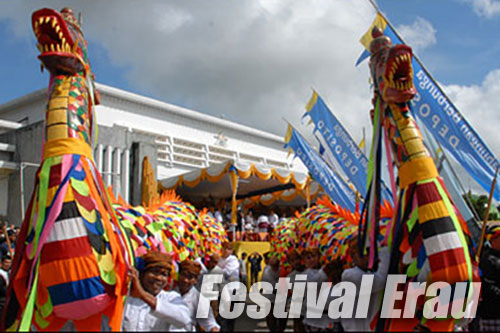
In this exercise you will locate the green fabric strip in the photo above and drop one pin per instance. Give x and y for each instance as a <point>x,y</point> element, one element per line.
<point>42,201</point>
<point>27,316</point>
<point>456,223</point>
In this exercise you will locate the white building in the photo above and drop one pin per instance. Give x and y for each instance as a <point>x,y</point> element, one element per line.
<point>176,139</point>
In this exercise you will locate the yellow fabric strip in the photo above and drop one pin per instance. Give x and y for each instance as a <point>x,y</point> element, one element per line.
<point>415,170</point>
<point>432,211</point>
<point>66,146</point>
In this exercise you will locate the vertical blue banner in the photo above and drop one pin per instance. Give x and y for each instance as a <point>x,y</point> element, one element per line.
<point>340,145</point>
<point>444,121</point>
<point>334,186</point>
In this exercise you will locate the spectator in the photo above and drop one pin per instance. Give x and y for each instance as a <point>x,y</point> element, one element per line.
<point>295,260</point>
<point>271,275</point>
<point>240,222</point>
<point>263,223</point>
<point>5,270</point>
<point>273,218</point>
<point>218,216</point>
<point>321,322</point>
<point>213,269</point>
<point>4,247</point>
<point>211,212</point>
<point>488,315</point>
<point>255,260</point>
<point>243,268</point>
<point>249,218</point>
<point>230,266</point>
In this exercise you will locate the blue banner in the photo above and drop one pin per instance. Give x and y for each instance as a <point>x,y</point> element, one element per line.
<point>339,192</point>
<point>340,144</point>
<point>444,121</point>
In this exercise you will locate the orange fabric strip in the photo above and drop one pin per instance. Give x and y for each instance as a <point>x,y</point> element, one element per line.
<point>69,270</point>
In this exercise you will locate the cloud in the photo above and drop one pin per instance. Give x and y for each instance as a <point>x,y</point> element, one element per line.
<point>255,61</point>
<point>486,8</point>
<point>420,35</point>
<point>479,104</point>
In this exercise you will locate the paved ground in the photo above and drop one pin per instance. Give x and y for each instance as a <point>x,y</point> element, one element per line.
<point>245,324</point>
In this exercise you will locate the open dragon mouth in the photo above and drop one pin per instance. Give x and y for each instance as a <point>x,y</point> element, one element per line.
<point>56,40</point>
<point>399,75</point>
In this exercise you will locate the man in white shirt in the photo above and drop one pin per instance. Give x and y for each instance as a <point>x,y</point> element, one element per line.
<point>355,275</point>
<point>295,260</point>
<point>149,307</point>
<point>249,218</point>
<point>271,275</point>
<point>189,272</point>
<point>213,269</point>
<point>230,266</point>
<point>273,218</point>
<point>229,263</point>
<point>218,216</point>
<point>329,273</point>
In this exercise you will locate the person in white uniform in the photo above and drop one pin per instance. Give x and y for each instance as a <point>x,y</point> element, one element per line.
<point>230,266</point>
<point>149,307</point>
<point>189,272</point>
<point>355,275</point>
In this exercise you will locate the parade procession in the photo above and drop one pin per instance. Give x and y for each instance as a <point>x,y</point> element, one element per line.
<point>122,212</point>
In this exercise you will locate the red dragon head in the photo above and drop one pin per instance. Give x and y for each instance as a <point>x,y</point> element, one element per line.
<point>60,41</point>
<point>391,69</point>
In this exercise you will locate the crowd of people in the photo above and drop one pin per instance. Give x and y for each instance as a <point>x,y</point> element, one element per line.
<point>8,237</point>
<point>254,224</point>
<point>150,307</point>
<point>165,295</point>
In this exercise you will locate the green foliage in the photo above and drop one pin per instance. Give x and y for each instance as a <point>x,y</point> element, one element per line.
<point>479,203</point>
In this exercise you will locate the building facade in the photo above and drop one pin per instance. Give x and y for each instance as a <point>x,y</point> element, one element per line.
<point>130,127</point>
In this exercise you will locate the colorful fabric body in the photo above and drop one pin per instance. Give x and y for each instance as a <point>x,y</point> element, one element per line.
<point>71,259</point>
<point>428,237</point>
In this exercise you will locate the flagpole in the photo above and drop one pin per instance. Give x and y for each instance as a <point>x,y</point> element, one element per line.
<point>486,215</point>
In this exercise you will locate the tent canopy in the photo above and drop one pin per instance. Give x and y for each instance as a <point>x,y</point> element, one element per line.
<point>257,183</point>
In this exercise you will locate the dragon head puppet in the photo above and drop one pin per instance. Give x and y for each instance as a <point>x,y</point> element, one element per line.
<point>63,49</point>
<point>60,41</point>
<point>391,69</point>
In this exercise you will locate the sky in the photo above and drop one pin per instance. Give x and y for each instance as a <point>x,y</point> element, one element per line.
<point>256,62</point>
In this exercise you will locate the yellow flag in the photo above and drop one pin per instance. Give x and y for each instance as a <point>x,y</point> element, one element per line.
<point>362,144</point>
<point>367,38</point>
